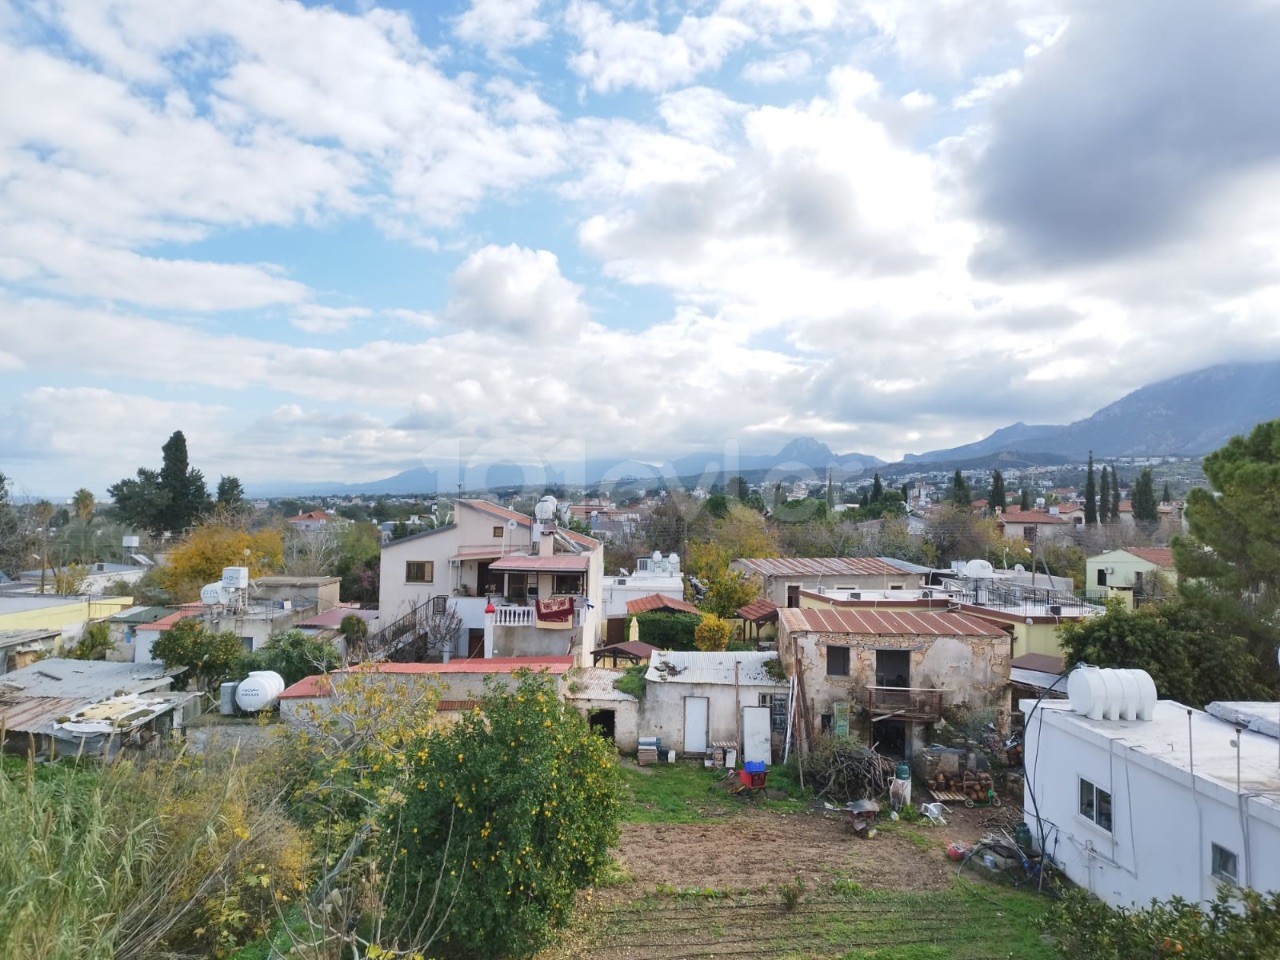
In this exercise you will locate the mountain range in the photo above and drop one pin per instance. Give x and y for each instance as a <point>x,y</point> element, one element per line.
<point>1192,414</point>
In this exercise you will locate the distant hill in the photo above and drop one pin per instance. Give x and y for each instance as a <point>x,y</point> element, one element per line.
<point>1192,414</point>
<point>801,454</point>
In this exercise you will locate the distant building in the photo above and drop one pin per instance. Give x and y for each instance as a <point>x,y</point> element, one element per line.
<point>312,520</point>
<point>782,579</point>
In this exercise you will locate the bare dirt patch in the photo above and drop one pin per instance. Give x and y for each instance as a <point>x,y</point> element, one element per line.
<point>762,848</point>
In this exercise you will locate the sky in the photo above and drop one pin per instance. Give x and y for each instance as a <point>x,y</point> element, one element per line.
<point>332,242</point>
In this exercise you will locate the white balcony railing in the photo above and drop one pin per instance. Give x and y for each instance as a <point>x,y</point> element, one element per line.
<point>513,617</point>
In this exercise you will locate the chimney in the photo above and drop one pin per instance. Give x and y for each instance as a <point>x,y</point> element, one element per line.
<point>546,540</point>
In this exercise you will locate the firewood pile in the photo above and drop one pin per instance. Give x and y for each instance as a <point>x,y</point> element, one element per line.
<point>968,784</point>
<point>844,771</point>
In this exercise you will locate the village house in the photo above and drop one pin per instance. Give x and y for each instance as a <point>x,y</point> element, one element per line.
<point>90,579</point>
<point>782,578</point>
<point>1155,801</point>
<point>888,674</point>
<point>309,521</point>
<point>1130,572</point>
<point>695,701</point>
<point>520,586</point>
<point>648,575</point>
<point>1033,525</point>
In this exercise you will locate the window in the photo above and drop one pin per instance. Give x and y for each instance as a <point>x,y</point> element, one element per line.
<point>570,583</point>
<point>440,604</point>
<point>777,704</point>
<point>419,571</point>
<point>1225,864</point>
<point>837,661</point>
<point>1095,804</point>
<point>1029,533</point>
<point>498,532</point>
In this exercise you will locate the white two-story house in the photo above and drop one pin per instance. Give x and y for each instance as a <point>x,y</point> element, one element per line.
<point>522,587</point>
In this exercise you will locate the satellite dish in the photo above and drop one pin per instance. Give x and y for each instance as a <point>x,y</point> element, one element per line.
<point>512,524</point>
<point>1019,568</point>
<point>212,593</point>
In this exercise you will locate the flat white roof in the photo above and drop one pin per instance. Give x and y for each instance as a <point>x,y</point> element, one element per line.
<point>1168,740</point>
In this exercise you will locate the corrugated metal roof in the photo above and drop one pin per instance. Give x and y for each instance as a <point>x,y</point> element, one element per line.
<point>820,566</point>
<point>141,615</point>
<point>697,666</point>
<point>14,638</point>
<point>925,623</point>
<point>85,680</point>
<point>660,601</point>
<point>19,714</point>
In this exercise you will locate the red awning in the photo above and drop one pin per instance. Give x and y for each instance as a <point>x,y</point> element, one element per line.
<point>557,563</point>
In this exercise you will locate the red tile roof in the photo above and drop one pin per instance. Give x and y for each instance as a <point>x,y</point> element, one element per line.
<point>883,623</point>
<point>660,601</point>
<point>312,515</point>
<point>1160,556</point>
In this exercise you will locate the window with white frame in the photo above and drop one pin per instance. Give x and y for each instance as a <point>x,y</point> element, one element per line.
<point>1226,865</point>
<point>1095,804</point>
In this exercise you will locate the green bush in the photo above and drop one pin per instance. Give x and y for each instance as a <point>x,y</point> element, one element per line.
<point>507,814</point>
<point>668,631</point>
<point>632,681</point>
<point>1238,925</point>
<point>294,655</point>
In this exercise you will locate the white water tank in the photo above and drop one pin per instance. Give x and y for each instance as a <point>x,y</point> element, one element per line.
<point>259,691</point>
<point>1111,694</point>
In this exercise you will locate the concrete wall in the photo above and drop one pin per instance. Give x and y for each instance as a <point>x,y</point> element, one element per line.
<point>1159,845</point>
<point>69,616</point>
<point>775,588</point>
<point>662,710</point>
<point>1126,566</point>
<point>615,594</point>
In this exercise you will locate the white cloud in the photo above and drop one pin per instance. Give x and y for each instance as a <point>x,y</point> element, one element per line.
<point>785,66</point>
<point>518,292</point>
<point>498,25</point>
<point>314,318</point>
<point>616,54</point>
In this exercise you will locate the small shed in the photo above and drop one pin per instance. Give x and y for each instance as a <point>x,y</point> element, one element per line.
<point>694,699</point>
<point>610,712</point>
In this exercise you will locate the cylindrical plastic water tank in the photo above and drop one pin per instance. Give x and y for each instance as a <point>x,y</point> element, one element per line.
<point>1111,694</point>
<point>259,691</point>
<point>227,698</point>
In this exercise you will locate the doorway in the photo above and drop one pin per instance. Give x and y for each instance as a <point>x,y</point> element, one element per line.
<point>475,643</point>
<point>697,711</point>
<point>893,668</point>
<point>793,596</point>
<point>603,723</point>
<point>890,737</point>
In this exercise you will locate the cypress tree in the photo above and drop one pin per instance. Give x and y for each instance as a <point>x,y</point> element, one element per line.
<point>1025,504</point>
<point>1104,497</point>
<point>997,498</point>
<point>1166,497</point>
<point>1144,499</point>
<point>960,494</point>
<point>1115,496</point>
<point>1090,496</point>
<point>877,490</point>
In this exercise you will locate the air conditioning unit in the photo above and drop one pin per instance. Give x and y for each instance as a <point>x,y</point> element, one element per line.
<point>1055,609</point>
<point>454,562</point>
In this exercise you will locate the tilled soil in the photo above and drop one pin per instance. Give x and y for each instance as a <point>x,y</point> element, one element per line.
<point>758,848</point>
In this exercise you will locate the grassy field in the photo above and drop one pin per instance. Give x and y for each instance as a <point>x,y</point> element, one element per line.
<point>674,793</point>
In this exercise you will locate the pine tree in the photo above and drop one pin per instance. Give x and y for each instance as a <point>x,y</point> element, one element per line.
<point>997,498</point>
<point>1104,497</point>
<point>1090,495</point>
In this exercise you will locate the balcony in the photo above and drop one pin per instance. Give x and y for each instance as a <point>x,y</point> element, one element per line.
<point>513,616</point>
<point>910,703</point>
